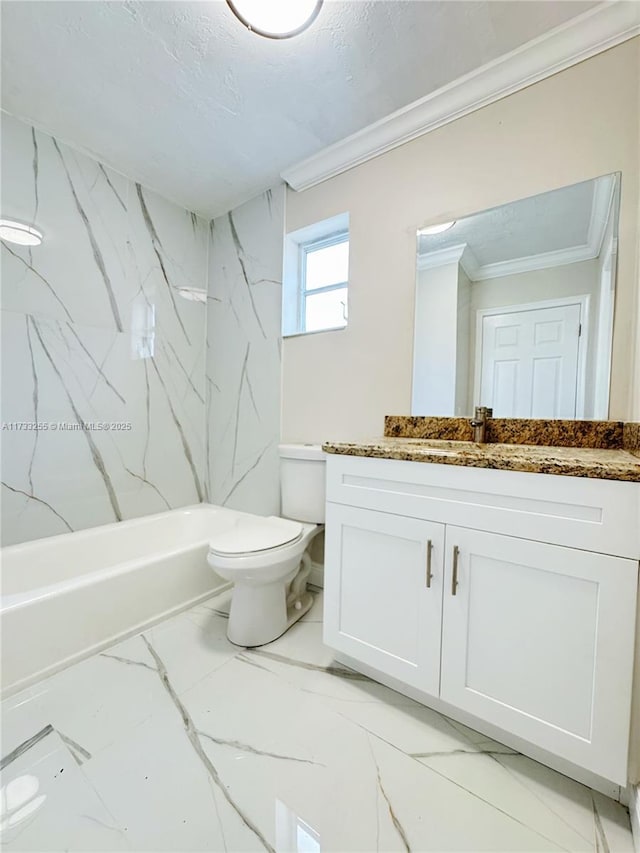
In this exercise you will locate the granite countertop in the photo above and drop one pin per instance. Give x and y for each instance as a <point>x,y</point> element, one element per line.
<point>603,464</point>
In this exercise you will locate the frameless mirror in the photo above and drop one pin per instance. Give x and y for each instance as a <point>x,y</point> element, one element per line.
<point>514,307</point>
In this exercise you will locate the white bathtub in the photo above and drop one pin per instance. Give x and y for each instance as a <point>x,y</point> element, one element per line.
<point>67,596</point>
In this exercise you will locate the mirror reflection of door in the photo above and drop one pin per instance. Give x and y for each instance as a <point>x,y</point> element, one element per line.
<point>514,307</point>
<point>529,359</point>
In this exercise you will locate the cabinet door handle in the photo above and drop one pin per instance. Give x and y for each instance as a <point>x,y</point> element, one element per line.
<point>454,576</point>
<point>429,572</point>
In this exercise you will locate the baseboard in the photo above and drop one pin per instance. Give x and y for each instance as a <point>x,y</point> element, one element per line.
<point>634,814</point>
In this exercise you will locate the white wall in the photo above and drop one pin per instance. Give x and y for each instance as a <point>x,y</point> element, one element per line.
<point>574,126</point>
<point>435,355</point>
<point>537,285</point>
<point>606,282</point>
<point>464,375</point>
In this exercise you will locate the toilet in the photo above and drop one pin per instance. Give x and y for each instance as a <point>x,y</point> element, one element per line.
<point>266,558</point>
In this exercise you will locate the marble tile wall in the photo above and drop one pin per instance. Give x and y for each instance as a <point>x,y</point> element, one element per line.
<point>95,331</point>
<point>243,355</point>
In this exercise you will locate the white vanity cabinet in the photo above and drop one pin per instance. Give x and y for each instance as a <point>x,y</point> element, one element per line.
<point>387,576</point>
<point>508,596</point>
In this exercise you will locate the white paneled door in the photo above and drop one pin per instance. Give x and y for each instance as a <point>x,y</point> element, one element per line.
<point>538,640</point>
<point>530,361</point>
<point>383,593</point>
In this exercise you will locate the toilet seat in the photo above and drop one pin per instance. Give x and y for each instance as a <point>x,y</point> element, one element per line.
<point>252,535</point>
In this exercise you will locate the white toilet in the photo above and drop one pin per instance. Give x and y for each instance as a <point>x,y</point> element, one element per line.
<point>266,559</point>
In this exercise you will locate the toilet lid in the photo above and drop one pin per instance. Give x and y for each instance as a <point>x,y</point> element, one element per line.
<point>248,535</point>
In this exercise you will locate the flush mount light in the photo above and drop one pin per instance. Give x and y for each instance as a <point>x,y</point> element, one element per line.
<point>276,19</point>
<point>436,229</point>
<point>20,233</point>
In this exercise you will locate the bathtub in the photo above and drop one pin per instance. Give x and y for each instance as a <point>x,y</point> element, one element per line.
<point>65,597</point>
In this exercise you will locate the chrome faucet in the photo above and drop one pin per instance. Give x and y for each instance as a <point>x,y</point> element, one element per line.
<point>479,423</point>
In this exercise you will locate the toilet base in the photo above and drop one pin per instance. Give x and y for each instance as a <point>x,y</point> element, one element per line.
<point>259,614</point>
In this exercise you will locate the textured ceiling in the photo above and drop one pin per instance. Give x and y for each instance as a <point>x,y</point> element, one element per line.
<point>179,96</point>
<point>548,222</point>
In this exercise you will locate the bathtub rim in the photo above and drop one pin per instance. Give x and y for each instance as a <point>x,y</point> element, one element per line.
<point>118,637</point>
<point>12,603</point>
<point>13,600</point>
<point>18,600</point>
<point>85,532</point>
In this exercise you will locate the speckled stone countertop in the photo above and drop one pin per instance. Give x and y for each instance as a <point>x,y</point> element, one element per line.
<point>598,463</point>
<point>607,435</point>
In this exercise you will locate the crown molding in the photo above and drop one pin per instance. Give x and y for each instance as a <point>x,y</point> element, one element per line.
<point>558,258</point>
<point>458,254</point>
<point>463,255</point>
<point>603,194</point>
<point>441,257</point>
<point>598,29</point>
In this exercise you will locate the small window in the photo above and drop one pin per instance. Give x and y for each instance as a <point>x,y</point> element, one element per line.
<point>324,281</point>
<point>316,278</point>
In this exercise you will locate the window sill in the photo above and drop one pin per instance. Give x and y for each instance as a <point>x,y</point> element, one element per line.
<point>314,332</point>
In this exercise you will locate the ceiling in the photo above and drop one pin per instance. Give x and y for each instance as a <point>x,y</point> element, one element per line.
<point>179,96</point>
<point>560,226</point>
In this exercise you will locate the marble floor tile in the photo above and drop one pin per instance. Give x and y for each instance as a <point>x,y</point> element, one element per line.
<point>177,740</point>
<point>194,643</point>
<point>576,803</point>
<point>92,702</point>
<point>484,776</point>
<point>337,765</point>
<point>411,727</point>
<point>430,813</point>
<point>159,793</point>
<point>300,658</point>
<point>48,804</point>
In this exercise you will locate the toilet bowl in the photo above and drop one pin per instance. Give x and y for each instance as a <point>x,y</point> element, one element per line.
<point>266,558</point>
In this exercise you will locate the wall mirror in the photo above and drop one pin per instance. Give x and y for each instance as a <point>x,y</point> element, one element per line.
<point>514,307</point>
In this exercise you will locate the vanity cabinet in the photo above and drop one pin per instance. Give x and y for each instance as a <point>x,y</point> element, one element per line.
<point>532,643</point>
<point>387,576</point>
<point>533,637</point>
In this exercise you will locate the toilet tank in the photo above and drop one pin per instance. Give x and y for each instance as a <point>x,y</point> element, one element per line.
<point>302,482</point>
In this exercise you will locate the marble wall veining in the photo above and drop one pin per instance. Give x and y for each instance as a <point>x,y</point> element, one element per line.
<point>94,331</point>
<point>243,355</point>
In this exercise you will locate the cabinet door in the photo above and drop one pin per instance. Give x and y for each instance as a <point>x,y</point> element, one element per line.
<point>538,639</point>
<point>383,592</point>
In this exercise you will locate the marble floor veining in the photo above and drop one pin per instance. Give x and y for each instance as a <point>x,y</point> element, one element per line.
<point>177,740</point>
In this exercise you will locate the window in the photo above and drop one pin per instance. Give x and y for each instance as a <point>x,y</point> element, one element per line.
<point>324,279</point>
<point>316,278</point>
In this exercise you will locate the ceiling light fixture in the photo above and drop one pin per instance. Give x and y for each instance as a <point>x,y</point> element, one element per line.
<point>276,19</point>
<point>436,229</point>
<point>20,233</point>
